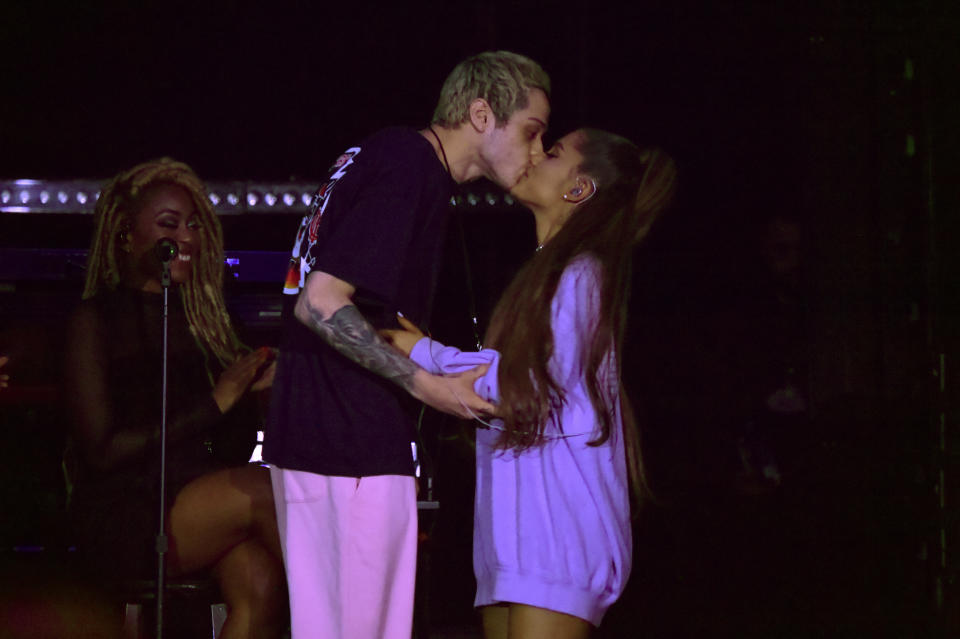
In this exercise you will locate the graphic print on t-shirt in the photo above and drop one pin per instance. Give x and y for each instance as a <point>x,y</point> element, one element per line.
<point>301,261</point>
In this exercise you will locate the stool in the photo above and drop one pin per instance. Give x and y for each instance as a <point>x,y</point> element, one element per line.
<point>140,592</point>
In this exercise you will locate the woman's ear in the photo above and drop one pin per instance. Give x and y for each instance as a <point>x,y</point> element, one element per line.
<point>581,191</point>
<point>481,115</point>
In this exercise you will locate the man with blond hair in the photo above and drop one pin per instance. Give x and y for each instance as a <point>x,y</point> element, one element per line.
<point>340,432</point>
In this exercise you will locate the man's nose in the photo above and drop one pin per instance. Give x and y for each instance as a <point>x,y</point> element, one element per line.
<point>537,155</point>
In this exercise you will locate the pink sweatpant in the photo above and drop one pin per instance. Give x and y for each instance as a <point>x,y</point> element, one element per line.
<point>350,550</point>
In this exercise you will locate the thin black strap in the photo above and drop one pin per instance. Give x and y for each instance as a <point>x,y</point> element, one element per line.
<point>442,151</point>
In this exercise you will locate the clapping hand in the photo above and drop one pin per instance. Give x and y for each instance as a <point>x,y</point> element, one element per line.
<point>267,372</point>
<point>253,371</point>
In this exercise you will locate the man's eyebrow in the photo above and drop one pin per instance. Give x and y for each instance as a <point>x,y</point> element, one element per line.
<point>540,122</point>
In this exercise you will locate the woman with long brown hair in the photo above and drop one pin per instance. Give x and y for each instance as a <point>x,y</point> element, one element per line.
<point>219,509</point>
<point>552,532</point>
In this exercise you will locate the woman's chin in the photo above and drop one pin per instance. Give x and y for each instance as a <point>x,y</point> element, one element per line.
<point>522,201</point>
<point>516,192</point>
<point>180,273</point>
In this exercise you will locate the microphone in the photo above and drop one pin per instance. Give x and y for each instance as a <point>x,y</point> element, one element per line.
<point>166,250</point>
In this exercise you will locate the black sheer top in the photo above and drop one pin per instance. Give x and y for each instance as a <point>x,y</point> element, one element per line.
<point>113,384</point>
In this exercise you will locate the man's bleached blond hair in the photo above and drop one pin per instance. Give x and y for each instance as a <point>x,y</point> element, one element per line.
<point>502,78</point>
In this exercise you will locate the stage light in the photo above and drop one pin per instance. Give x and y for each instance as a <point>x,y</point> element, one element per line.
<point>227,198</point>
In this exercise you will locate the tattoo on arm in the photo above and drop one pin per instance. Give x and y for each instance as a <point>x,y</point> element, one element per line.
<point>351,334</point>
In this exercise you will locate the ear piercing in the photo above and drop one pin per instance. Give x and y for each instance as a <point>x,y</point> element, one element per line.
<point>577,191</point>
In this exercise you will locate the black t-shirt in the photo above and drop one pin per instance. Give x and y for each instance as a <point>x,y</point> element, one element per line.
<point>378,224</point>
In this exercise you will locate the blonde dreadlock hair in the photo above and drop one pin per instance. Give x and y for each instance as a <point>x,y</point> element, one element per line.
<point>120,201</point>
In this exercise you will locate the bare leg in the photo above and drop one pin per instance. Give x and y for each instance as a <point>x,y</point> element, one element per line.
<point>226,521</point>
<point>252,584</point>
<point>217,511</point>
<point>495,619</point>
<point>530,622</point>
<point>519,621</point>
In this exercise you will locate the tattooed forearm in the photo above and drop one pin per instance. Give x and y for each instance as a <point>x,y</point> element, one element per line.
<point>350,334</point>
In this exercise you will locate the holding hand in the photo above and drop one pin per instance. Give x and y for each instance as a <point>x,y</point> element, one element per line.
<point>453,394</point>
<point>244,374</point>
<point>405,338</point>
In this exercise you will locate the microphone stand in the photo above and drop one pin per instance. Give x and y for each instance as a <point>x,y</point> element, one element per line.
<point>162,543</point>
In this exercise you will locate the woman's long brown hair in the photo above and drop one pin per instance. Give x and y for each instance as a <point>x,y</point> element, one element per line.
<point>633,187</point>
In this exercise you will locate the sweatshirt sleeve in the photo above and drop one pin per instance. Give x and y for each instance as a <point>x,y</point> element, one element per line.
<point>438,359</point>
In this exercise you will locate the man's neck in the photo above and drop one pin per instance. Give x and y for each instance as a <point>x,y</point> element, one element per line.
<point>461,147</point>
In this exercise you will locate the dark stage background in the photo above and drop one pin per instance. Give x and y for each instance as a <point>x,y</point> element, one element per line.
<point>794,321</point>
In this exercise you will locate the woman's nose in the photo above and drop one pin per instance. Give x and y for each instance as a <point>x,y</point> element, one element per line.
<point>185,234</point>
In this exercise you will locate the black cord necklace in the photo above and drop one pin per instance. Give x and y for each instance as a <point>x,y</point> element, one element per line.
<point>446,164</point>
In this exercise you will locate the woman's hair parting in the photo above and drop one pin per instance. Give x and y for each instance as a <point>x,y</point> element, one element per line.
<point>634,186</point>
<point>121,199</point>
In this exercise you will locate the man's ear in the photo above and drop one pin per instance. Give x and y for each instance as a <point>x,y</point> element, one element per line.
<point>582,190</point>
<point>481,115</point>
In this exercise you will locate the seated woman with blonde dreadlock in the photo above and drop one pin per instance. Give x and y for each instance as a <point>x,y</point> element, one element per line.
<point>220,509</point>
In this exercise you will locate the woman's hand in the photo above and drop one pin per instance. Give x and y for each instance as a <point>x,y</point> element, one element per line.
<point>265,380</point>
<point>236,380</point>
<point>403,339</point>
<point>4,379</point>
